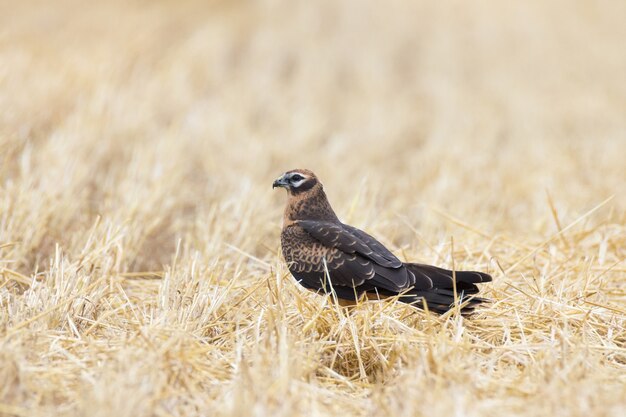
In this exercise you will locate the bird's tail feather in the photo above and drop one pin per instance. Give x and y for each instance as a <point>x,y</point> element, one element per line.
<point>441,297</point>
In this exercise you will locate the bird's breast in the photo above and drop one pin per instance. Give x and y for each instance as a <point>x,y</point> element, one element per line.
<point>302,252</point>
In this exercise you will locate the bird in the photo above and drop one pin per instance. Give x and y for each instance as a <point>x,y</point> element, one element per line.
<point>332,258</point>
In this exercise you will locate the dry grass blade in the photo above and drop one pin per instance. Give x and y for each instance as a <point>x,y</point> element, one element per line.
<point>559,233</point>
<point>16,276</point>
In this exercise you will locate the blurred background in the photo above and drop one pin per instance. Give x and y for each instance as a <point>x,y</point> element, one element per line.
<point>486,135</point>
<point>157,115</point>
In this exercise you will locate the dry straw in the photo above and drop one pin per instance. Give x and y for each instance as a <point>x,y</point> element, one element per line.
<point>140,272</point>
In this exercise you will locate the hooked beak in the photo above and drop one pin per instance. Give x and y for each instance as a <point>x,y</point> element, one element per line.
<point>280,182</point>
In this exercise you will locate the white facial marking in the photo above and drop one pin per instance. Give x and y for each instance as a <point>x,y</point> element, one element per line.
<point>296,184</point>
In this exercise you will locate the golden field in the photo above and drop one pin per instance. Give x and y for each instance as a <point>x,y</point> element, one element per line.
<point>140,268</point>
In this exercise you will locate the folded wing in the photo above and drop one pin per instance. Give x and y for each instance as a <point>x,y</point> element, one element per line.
<point>353,250</point>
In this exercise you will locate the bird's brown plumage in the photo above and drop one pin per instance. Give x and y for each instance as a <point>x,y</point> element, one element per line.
<point>326,255</point>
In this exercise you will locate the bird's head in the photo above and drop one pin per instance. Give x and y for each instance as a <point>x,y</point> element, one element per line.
<point>296,181</point>
<point>307,199</point>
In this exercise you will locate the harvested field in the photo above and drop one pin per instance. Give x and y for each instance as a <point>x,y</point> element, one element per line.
<point>140,267</point>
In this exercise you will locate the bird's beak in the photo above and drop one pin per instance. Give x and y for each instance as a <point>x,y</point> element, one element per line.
<point>280,182</point>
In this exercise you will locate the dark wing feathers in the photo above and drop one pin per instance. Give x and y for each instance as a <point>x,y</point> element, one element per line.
<point>442,278</point>
<point>373,244</point>
<point>358,252</point>
<point>400,277</point>
<point>337,235</point>
<point>440,300</point>
<point>349,270</point>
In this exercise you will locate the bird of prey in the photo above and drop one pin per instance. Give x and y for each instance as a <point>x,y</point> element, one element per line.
<point>326,256</point>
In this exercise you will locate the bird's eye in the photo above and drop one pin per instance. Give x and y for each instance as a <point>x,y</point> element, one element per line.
<point>296,177</point>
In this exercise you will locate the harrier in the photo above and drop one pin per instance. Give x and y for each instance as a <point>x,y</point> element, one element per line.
<point>326,255</point>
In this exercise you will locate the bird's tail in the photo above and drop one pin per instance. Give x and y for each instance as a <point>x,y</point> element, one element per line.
<point>441,297</point>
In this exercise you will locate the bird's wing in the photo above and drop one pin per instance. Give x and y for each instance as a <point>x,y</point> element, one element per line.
<point>356,260</point>
<point>372,243</point>
<point>337,235</point>
<point>464,281</point>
